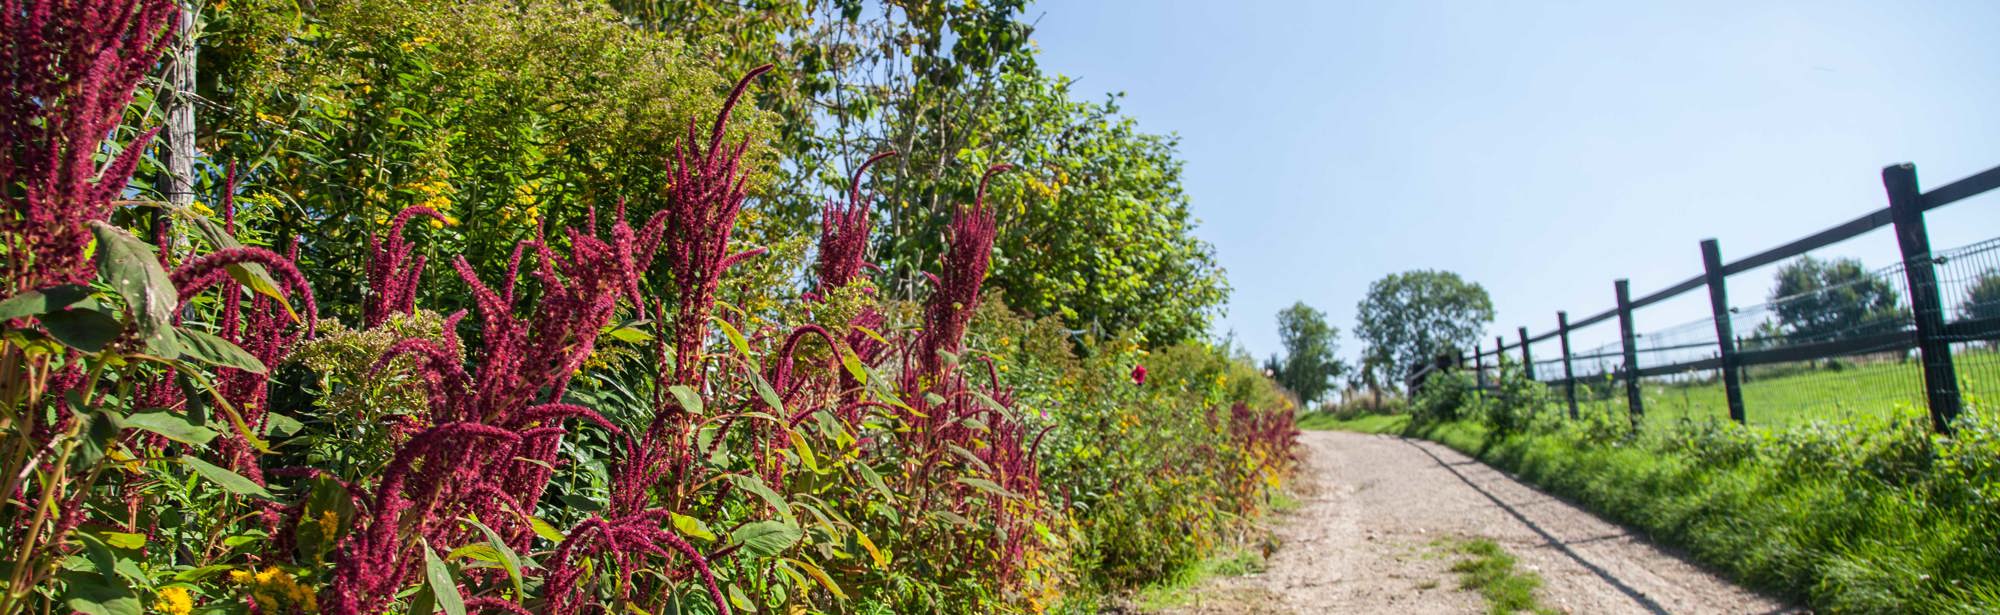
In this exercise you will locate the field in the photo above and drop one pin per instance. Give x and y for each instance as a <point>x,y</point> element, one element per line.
<point>1798,394</point>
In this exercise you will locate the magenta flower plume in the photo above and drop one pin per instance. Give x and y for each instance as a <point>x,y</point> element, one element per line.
<point>964,270</point>
<point>706,193</point>
<point>1139,374</point>
<point>392,274</point>
<point>67,70</point>
<point>843,236</point>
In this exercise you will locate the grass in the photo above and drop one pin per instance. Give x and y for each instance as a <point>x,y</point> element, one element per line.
<point>1487,568</point>
<point>1863,517</point>
<point>1179,590</point>
<point>1796,394</point>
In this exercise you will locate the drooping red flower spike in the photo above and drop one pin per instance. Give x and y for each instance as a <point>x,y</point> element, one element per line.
<point>392,274</point>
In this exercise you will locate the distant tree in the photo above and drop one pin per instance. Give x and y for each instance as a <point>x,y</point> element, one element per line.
<point>1412,317</point>
<point>1309,366</point>
<point>1983,301</point>
<point>1818,300</point>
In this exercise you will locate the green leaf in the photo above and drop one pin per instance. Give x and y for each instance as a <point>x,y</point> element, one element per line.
<point>688,399</point>
<point>85,330</point>
<point>230,481</point>
<point>131,268</point>
<point>96,595</point>
<point>739,600</point>
<point>38,302</point>
<point>735,337</point>
<point>875,481</point>
<point>692,527</point>
<point>438,578</point>
<point>819,576</point>
<point>546,530</point>
<point>766,538</point>
<point>768,394</point>
<point>217,351</point>
<point>852,363</point>
<point>756,485</point>
<point>171,425</point>
<point>508,559</point>
<point>254,277</point>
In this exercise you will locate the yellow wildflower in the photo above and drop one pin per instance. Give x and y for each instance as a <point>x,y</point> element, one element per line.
<point>329,521</point>
<point>173,601</point>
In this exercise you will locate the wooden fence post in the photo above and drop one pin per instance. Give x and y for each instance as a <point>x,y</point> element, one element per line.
<point>1906,211</point>
<point>1636,407</point>
<point>1479,365</point>
<point>1527,358</point>
<point>1725,335</point>
<point>1569,373</point>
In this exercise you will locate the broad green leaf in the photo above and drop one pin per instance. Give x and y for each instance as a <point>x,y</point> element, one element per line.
<point>95,595</point>
<point>692,527</point>
<point>216,351</point>
<point>438,577</point>
<point>85,330</point>
<point>766,538</point>
<point>820,576</point>
<point>874,481</point>
<point>171,425</point>
<point>735,337</point>
<point>230,481</point>
<point>881,559</point>
<point>739,600</point>
<point>852,363</point>
<point>688,399</point>
<point>804,450</point>
<point>281,425</point>
<point>131,268</point>
<point>871,334</point>
<point>508,559</point>
<point>251,275</point>
<point>768,394</point>
<point>756,485</point>
<point>38,302</point>
<point>546,530</point>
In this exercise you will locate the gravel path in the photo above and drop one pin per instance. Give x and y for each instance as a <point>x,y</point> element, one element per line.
<point>1374,505</point>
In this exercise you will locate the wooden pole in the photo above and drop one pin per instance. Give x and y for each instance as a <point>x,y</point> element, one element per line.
<point>1725,335</point>
<point>1569,373</point>
<point>1527,358</point>
<point>1906,211</point>
<point>1637,407</point>
<point>180,81</point>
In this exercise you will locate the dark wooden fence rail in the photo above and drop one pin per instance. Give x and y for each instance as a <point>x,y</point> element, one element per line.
<point>1928,332</point>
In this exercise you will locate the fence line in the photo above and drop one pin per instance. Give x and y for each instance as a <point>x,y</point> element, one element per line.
<point>1925,327</point>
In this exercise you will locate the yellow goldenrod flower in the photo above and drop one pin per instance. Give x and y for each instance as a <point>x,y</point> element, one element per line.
<point>173,601</point>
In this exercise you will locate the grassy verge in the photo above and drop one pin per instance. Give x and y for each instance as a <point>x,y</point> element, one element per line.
<point>1487,568</point>
<point>1180,589</point>
<point>1860,517</point>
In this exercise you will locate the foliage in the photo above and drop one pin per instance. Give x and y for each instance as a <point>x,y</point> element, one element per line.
<point>507,117</point>
<point>1309,365</point>
<point>1983,299</point>
<point>632,417</point>
<point>1095,227</point>
<point>1412,317</point>
<point>1820,300</point>
<point>1444,397</point>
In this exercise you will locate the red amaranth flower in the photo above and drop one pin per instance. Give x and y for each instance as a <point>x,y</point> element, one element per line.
<point>67,70</point>
<point>843,235</point>
<point>964,270</point>
<point>1139,374</point>
<point>707,191</point>
<point>392,274</point>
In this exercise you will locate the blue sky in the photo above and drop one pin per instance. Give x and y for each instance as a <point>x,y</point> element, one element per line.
<point>1540,149</point>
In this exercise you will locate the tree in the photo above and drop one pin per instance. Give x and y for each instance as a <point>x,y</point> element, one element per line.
<point>1309,366</point>
<point>1412,317</point>
<point>1819,300</point>
<point>1983,301</point>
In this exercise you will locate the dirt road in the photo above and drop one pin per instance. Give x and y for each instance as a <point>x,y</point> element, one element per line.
<point>1375,508</point>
